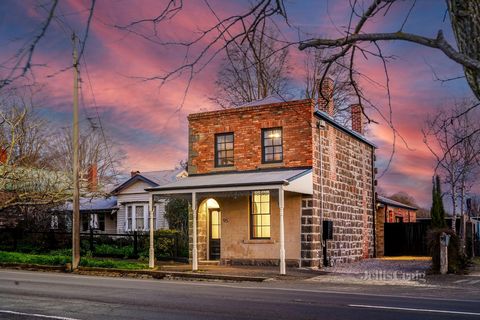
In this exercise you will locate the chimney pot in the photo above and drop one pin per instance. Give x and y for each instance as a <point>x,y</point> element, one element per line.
<point>357,118</point>
<point>3,155</point>
<point>325,96</point>
<point>134,173</point>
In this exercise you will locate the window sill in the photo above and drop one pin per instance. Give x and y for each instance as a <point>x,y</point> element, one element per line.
<point>259,241</point>
<point>271,165</point>
<point>220,169</point>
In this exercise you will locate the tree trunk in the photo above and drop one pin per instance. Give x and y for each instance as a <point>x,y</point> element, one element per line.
<point>465,19</point>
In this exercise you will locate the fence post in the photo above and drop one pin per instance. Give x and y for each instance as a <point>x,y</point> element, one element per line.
<point>176,242</point>
<point>91,241</point>
<point>135,244</point>
<point>51,239</point>
<point>15,236</point>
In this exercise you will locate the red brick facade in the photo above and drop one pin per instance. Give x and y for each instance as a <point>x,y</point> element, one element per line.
<point>295,118</point>
<point>342,163</point>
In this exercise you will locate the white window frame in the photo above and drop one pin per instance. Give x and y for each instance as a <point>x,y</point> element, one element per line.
<point>146,217</point>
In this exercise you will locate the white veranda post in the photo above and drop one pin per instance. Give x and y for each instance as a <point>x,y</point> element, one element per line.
<point>194,232</point>
<point>282,231</point>
<point>151,251</point>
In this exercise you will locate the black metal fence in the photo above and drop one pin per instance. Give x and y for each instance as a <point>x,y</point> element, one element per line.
<point>168,245</point>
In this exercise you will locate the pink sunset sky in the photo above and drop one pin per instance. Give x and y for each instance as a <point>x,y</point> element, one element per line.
<point>148,121</point>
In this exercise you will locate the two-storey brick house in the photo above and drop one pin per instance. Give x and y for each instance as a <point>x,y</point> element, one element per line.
<point>264,177</point>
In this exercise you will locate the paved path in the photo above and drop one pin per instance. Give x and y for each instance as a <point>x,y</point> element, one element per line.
<point>35,295</point>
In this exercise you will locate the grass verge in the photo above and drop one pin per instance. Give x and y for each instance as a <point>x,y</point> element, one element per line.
<point>61,260</point>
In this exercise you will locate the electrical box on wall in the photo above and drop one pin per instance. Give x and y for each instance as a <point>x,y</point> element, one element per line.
<point>327,230</point>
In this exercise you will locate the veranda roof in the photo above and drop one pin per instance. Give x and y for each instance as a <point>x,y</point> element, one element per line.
<point>295,180</point>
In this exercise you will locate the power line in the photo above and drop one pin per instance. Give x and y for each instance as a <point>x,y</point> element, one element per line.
<point>100,125</point>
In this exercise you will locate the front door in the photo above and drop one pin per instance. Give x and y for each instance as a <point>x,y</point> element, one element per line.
<point>214,239</point>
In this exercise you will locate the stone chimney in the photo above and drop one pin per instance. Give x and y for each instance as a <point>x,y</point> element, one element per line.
<point>92,179</point>
<point>357,118</point>
<point>134,173</point>
<point>325,96</point>
<point>3,155</point>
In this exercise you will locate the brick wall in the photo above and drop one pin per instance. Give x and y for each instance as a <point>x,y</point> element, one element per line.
<point>406,215</point>
<point>343,172</point>
<point>246,122</point>
<point>380,232</point>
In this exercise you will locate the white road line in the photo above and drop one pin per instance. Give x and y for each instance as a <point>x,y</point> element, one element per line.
<point>474,281</point>
<point>36,315</point>
<point>463,280</point>
<point>414,309</point>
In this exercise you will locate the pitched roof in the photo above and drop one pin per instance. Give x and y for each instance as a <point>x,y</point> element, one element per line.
<point>153,178</point>
<point>234,179</point>
<point>394,203</point>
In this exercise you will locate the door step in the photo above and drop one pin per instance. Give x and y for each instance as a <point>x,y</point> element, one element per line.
<point>209,262</point>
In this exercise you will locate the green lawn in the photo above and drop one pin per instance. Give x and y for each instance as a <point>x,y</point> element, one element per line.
<point>56,259</point>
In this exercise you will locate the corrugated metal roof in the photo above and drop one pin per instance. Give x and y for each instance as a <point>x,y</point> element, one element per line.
<point>394,203</point>
<point>95,204</point>
<point>249,178</point>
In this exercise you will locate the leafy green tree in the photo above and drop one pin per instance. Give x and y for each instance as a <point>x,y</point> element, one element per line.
<point>176,213</point>
<point>437,211</point>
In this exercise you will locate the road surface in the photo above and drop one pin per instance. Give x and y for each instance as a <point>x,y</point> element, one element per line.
<point>38,295</point>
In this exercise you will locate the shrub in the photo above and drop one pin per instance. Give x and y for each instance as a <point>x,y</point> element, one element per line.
<point>457,262</point>
<point>105,250</point>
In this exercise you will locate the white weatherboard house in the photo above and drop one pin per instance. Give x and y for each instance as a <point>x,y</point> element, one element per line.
<point>132,200</point>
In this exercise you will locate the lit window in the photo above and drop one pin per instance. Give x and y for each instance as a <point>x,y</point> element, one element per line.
<point>215,224</point>
<point>260,215</point>
<point>224,150</point>
<point>272,149</point>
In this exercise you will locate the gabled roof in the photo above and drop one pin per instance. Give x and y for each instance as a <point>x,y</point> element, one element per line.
<point>325,116</point>
<point>152,178</point>
<point>236,179</point>
<point>394,203</point>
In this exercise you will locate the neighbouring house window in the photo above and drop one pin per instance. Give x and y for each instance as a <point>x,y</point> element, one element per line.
<point>54,222</point>
<point>93,221</point>
<point>155,210</point>
<point>272,148</point>
<point>224,150</point>
<point>138,217</point>
<point>129,218</point>
<point>260,215</point>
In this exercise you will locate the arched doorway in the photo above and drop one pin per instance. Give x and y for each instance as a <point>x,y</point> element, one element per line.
<point>210,209</point>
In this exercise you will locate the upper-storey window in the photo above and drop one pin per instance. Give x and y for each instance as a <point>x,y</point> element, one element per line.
<point>272,149</point>
<point>224,150</point>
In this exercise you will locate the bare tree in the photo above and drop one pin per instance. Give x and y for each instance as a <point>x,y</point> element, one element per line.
<point>35,159</point>
<point>98,153</point>
<point>252,70</point>
<point>404,197</point>
<point>453,137</point>
<point>343,92</point>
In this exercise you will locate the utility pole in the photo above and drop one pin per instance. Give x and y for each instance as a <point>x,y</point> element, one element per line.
<point>76,164</point>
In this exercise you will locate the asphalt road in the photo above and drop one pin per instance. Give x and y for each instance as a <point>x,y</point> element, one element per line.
<point>37,295</point>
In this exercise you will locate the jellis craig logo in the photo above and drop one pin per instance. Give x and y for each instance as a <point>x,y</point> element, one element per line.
<point>387,275</point>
